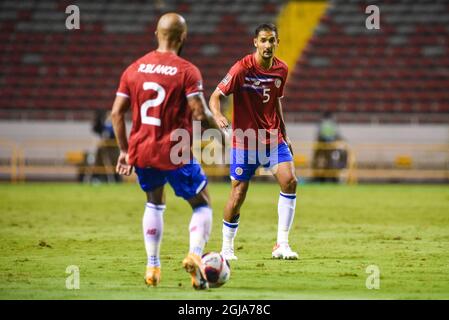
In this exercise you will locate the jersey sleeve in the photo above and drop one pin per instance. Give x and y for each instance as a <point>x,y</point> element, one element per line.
<point>193,82</point>
<point>284,80</point>
<point>123,87</point>
<point>230,82</point>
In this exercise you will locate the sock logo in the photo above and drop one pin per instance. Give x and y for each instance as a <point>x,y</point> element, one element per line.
<point>152,232</point>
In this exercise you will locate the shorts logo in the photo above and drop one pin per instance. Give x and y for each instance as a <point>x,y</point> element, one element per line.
<point>238,171</point>
<point>278,83</point>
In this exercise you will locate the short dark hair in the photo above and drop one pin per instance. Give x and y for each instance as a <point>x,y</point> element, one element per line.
<point>266,27</point>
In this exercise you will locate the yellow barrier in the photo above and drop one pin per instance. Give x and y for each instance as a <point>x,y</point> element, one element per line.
<point>19,163</point>
<point>296,23</point>
<point>13,166</point>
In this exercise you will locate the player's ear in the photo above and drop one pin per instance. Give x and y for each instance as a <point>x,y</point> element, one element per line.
<point>255,42</point>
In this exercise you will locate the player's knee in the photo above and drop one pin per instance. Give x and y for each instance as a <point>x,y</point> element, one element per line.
<point>290,185</point>
<point>239,193</point>
<point>201,199</point>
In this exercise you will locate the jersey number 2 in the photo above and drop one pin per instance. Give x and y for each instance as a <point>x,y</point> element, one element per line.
<point>152,103</point>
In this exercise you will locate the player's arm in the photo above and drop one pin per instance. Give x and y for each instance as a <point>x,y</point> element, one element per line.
<point>282,123</point>
<point>119,108</point>
<point>201,112</point>
<point>215,106</point>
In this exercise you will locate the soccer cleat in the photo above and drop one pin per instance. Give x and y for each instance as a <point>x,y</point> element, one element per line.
<point>228,254</point>
<point>153,276</point>
<point>193,265</point>
<point>283,251</point>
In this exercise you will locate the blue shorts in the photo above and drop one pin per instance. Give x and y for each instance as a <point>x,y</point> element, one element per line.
<point>187,181</point>
<point>244,163</point>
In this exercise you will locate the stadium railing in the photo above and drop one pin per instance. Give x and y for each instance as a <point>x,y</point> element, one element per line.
<point>73,160</point>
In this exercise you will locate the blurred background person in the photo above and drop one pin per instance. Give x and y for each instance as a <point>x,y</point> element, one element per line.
<point>107,150</point>
<point>329,156</point>
<point>328,129</point>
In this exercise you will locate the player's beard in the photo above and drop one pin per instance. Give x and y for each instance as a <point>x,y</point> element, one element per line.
<point>269,55</point>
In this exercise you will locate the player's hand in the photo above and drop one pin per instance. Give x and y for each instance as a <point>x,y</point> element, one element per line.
<point>221,121</point>
<point>123,168</point>
<point>289,143</point>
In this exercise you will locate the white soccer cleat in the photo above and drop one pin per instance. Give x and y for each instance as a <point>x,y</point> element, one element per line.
<point>283,251</point>
<point>228,254</point>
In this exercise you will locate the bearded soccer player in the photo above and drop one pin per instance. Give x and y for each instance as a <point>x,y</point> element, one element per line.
<point>164,93</point>
<point>257,83</point>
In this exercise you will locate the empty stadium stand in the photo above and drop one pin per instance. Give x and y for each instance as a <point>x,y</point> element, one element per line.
<point>399,73</point>
<point>49,72</point>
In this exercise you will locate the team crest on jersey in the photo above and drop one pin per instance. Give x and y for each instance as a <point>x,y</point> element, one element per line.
<point>238,171</point>
<point>200,85</point>
<point>278,83</point>
<point>226,79</point>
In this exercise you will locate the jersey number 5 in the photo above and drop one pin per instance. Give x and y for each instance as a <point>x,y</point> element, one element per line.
<point>152,103</point>
<point>266,95</point>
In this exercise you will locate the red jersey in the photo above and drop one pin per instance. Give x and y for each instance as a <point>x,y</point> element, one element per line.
<point>158,85</point>
<point>255,91</point>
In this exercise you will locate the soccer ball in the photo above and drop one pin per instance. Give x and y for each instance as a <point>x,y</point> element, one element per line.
<point>216,268</point>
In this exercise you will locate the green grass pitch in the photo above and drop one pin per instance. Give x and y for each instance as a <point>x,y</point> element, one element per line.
<point>339,230</point>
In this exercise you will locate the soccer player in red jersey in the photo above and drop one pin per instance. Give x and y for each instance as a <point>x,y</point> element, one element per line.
<point>164,92</point>
<point>257,83</point>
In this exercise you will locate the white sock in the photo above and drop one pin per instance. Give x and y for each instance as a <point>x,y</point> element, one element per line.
<point>200,227</point>
<point>229,231</point>
<point>153,227</point>
<point>286,213</point>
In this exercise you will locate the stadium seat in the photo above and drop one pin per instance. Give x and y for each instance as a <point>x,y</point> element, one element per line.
<point>401,68</point>
<point>80,69</point>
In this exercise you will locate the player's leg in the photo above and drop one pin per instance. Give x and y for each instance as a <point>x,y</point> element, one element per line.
<point>201,222</point>
<point>189,182</point>
<point>152,183</point>
<point>243,166</point>
<point>231,217</point>
<point>284,172</point>
<point>199,231</point>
